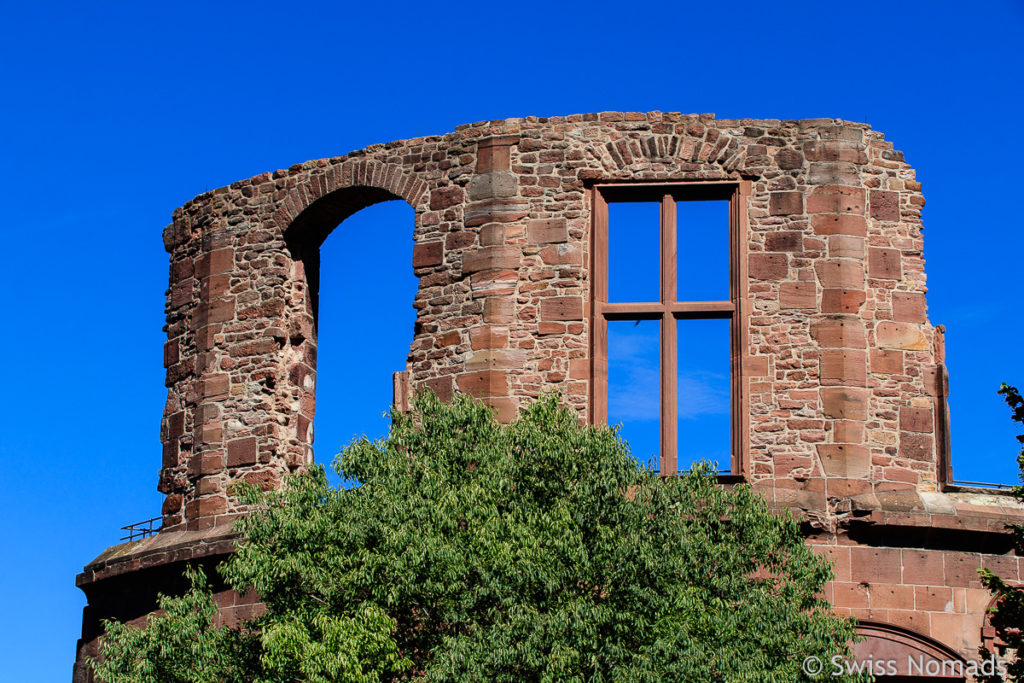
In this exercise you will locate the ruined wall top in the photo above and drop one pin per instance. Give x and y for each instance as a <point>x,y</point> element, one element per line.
<point>838,380</point>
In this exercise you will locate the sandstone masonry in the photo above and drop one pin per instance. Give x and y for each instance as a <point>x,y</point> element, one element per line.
<point>843,384</point>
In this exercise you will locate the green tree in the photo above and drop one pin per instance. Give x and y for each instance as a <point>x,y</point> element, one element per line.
<point>1008,613</point>
<point>472,550</point>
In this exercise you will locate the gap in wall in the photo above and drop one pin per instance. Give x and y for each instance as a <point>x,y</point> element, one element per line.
<point>365,326</point>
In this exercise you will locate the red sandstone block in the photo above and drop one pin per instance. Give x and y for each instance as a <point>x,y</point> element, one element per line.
<point>504,408</point>
<point>768,266</point>
<point>443,197</point>
<point>505,210</point>
<point>214,287</point>
<point>875,565</point>
<point>242,452</point>
<point>844,403</point>
<point>892,596</point>
<point>547,231</point>
<point>1006,566</point>
<point>839,556</point>
<point>450,338</point>
<point>785,203</point>
<point>498,310</point>
<point>798,295</point>
<point>214,387</point>
<point>849,595</point>
<point>914,446</point>
<point>492,234</point>
<point>427,254</point>
<point>170,353</point>
<point>492,158</point>
<point>488,337</point>
<point>264,479</point>
<point>907,336</point>
<point>215,311</point>
<point>215,262</point>
<point>181,268</point>
<point>843,366</point>
<point>846,246</point>
<point>886,361</point>
<point>488,258</point>
<point>836,199</point>
<point>842,300</point>
<point>259,347</point>
<point>493,283</point>
<point>848,431</point>
<point>550,328</point>
<point>206,507</point>
<point>914,419</point>
<point>181,293</point>
<point>483,383</point>
<point>562,255</point>
<point>933,598</point>
<point>755,366</point>
<point>172,504</point>
<point>885,206</point>
<point>908,307</point>
<point>848,477</point>
<point>834,150</point>
<point>788,240</point>
<point>839,224</point>
<point>840,274</point>
<point>845,332</point>
<point>562,308</point>
<point>884,264</point>
<point>961,569</point>
<point>923,567</point>
<point>786,159</point>
<point>441,386</point>
<point>841,461</point>
<point>579,368</point>
<point>169,454</point>
<point>459,239</point>
<point>211,433</point>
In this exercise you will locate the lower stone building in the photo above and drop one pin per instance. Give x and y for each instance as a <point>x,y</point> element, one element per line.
<point>788,252</point>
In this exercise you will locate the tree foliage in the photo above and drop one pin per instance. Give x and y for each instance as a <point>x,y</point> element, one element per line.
<point>1007,616</point>
<point>472,550</point>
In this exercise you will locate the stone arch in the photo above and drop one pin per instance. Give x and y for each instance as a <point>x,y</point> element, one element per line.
<point>337,188</point>
<point>712,147</point>
<point>883,641</point>
<point>306,217</point>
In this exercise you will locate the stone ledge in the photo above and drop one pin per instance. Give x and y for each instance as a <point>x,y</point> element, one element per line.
<point>166,547</point>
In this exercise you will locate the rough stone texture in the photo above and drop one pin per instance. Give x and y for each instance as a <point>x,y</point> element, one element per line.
<point>842,369</point>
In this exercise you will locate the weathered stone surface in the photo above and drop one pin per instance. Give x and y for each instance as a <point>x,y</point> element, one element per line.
<point>906,336</point>
<point>492,185</point>
<point>844,460</point>
<point>841,382</point>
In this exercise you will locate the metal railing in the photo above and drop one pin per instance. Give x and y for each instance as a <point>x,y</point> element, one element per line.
<point>140,530</point>
<point>981,485</point>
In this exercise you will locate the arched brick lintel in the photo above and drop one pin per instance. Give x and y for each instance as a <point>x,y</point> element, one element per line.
<point>883,641</point>
<point>322,200</point>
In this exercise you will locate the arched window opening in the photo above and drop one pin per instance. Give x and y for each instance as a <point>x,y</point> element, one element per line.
<point>365,323</point>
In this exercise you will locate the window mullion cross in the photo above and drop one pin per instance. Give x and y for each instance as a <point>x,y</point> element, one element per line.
<point>669,402</point>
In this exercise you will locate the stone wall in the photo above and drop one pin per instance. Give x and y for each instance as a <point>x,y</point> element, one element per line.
<point>841,363</point>
<point>842,379</point>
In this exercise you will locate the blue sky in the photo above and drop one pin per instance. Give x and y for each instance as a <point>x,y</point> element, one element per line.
<point>113,114</point>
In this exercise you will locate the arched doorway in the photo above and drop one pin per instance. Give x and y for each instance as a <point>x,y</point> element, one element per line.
<point>898,655</point>
<point>365,321</point>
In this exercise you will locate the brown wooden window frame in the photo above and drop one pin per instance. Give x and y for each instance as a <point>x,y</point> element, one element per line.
<point>667,309</point>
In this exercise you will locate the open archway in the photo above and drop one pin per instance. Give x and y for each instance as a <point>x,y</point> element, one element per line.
<point>353,251</point>
<point>365,323</point>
